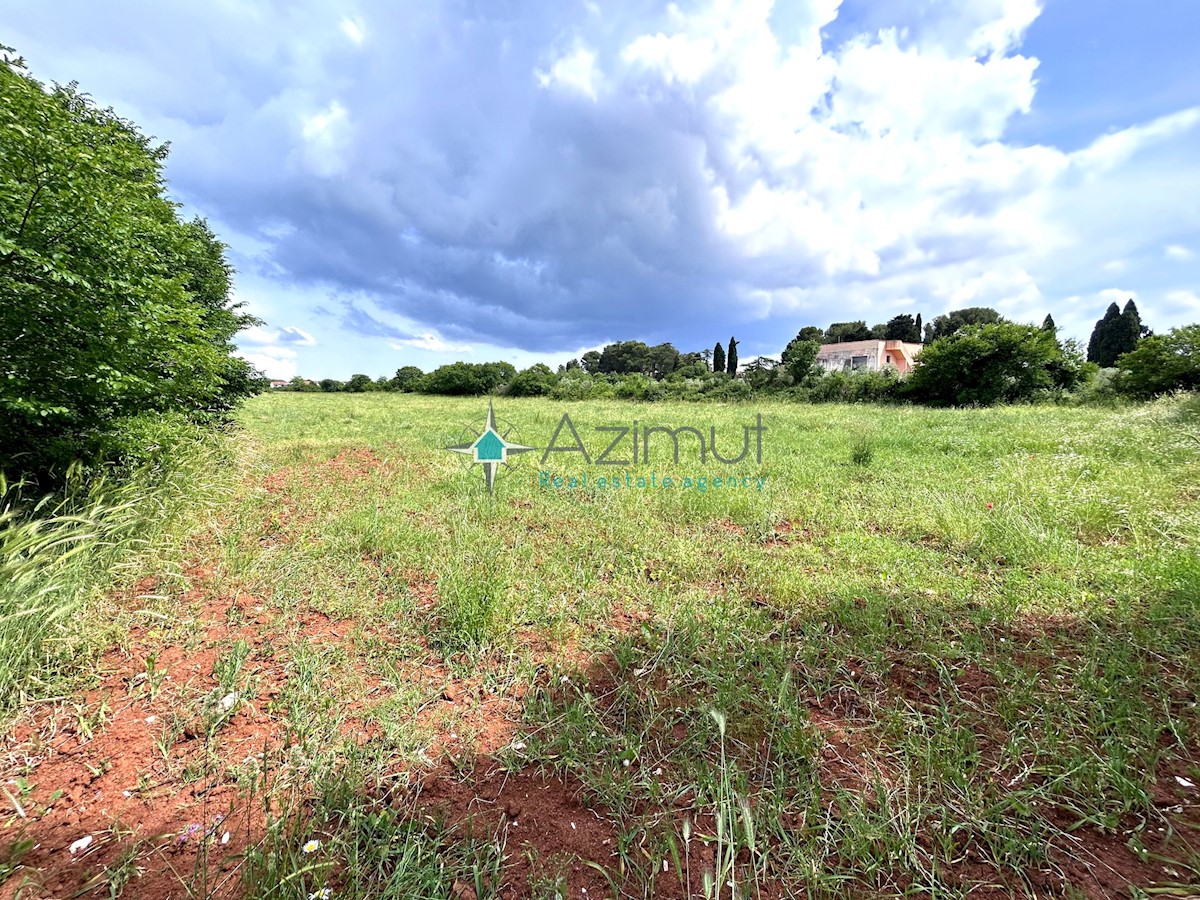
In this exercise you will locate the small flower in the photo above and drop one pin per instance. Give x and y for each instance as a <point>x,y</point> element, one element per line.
<point>322,894</point>
<point>312,846</point>
<point>989,506</point>
<point>191,831</point>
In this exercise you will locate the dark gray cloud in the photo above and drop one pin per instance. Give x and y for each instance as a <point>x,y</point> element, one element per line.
<point>552,175</point>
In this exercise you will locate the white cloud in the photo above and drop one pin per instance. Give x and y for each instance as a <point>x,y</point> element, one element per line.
<point>431,342</point>
<point>274,362</point>
<point>266,337</point>
<point>575,70</point>
<point>354,29</point>
<point>1112,150</point>
<point>1178,252</point>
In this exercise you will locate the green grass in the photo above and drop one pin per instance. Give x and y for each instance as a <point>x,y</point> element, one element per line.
<point>62,556</point>
<point>934,643</point>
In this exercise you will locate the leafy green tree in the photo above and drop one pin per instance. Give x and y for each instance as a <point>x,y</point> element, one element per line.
<point>590,362</point>
<point>360,384</point>
<point>111,306</point>
<point>956,320</point>
<point>731,359</point>
<point>330,386</point>
<point>1162,363</point>
<point>842,332</point>
<point>879,332</point>
<point>718,358</point>
<point>987,364</point>
<point>467,379</point>
<point>800,356</point>
<point>663,359</point>
<point>536,381</point>
<point>902,328</point>
<point>406,378</point>
<point>812,333</point>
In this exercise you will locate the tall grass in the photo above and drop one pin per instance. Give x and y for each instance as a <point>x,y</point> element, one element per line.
<point>61,555</point>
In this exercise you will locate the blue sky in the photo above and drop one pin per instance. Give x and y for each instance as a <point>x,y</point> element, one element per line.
<point>410,184</point>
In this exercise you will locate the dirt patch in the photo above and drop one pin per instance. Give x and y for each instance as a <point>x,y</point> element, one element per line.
<point>134,774</point>
<point>546,825</point>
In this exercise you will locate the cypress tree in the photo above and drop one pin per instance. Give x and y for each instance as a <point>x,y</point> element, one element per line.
<point>1048,323</point>
<point>732,360</point>
<point>920,330</point>
<point>1100,347</point>
<point>718,358</point>
<point>1126,332</point>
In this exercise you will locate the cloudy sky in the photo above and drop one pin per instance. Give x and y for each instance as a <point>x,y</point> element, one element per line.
<point>414,183</point>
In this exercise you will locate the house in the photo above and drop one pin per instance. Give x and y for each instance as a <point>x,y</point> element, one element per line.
<point>278,384</point>
<point>871,355</point>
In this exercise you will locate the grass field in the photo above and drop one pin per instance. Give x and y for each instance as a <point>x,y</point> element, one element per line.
<point>937,653</point>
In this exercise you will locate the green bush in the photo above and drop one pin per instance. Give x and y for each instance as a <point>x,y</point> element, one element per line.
<point>113,307</point>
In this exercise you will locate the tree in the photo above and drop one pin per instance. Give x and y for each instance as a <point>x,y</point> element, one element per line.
<point>406,378</point>
<point>879,331</point>
<point>800,355</point>
<point>812,333</point>
<point>1128,330</point>
<point>1098,350</point>
<point>663,360</point>
<point>330,386</point>
<point>536,381</point>
<point>718,358</point>
<point>360,384</point>
<point>590,362</point>
<point>625,358</point>
<point>902,328</point>
<point>951,322</point>
<point>1162,363</point>
<point>1048,324</point>
<point>467,379</point>
<point>731,362</point>
<point>840,332</point>
<point>707,356</point>
<point>920,329</point>
<point>112,307</point>
<point>987,364</point>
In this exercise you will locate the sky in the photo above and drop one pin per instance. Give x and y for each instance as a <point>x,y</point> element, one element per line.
<point>414,183</point>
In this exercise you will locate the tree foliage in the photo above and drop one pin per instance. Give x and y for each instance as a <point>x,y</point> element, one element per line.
<point>1162,363</point>
<point>841,332</point>
<point>467,379</point>
<point>958,319</point>
<point>731,358</point>
<point>988,364</point>
<point>110,306</point>
<point>800,355</point>
<point>902,328</point>
<point>718,360</point>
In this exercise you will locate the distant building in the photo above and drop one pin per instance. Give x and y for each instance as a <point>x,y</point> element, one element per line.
<point>279,384</point>
<point>872,355</point>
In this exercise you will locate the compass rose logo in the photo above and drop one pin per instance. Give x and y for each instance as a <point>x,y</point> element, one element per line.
<point>490,448</point>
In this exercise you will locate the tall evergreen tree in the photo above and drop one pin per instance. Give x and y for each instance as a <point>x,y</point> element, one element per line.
<point>920,330</point>
<point>1100,346</point>
<point>731,360</point>
<point>1127,331</point>
<point>1048,323</point>
<point>718,358</point>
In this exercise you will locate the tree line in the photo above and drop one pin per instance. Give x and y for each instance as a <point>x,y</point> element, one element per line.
<point>971,356</point>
